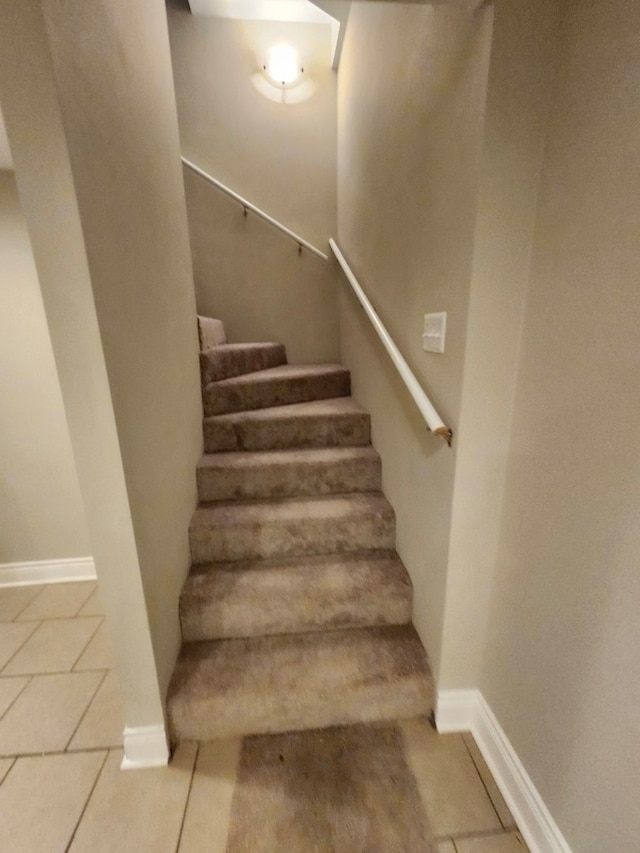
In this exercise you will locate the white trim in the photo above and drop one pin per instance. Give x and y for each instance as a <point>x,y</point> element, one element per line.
<point>47,571</point>
<point>455,711</point>
<point>144,746</point>
<point>467,710</point>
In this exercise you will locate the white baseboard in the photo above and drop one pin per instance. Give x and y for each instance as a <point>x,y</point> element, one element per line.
<point>456,710</point>
<point>145,746</point>
<point>467,710</point>
<point>47,571</point>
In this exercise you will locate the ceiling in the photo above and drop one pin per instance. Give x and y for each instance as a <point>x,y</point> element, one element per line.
<point>325,12</point>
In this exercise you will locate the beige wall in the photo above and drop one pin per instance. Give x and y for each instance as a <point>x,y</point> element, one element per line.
<point>411,99</point>
<point>89,105</point>
<point>5,152</point>
<point>282,158</point>
<point>561,665</point>
<point>121,125</point>
<point>41,513</point>
<point>524,56</point>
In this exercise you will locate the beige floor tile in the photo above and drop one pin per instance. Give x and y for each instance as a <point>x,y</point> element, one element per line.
<point>446,847</point>
<point>14,599</point>
<point>136,810</point>
<point>511,842</point>
<point>9,690</point>
<point>451,788</point>
<point>94,605</point>
<point>12,636</point>
<point>103,723</point>
<point>206,821</point>
<point>54,647</point>
<point>97,654</point>
<point>47,712</point>
<point>5,765</point>
<point>494,792</point>
<point>59,601</point>
<point>42,799</point>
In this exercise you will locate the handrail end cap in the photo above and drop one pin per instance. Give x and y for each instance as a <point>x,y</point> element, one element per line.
<point>444,432</point>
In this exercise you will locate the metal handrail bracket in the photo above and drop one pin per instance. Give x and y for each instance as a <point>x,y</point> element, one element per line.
<point>246,205</point>
<point>427,409</point>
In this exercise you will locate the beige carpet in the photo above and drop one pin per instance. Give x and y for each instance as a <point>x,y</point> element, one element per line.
<point>340,790</point>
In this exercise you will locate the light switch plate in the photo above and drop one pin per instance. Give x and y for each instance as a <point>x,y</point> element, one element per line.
<point>435,326</point>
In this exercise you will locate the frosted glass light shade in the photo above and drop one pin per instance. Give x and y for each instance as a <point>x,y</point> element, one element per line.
<point>283,64</point>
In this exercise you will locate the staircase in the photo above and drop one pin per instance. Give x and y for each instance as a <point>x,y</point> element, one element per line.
<point>297,611</point>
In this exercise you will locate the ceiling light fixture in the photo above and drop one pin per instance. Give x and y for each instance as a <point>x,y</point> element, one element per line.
<point>283,65</point>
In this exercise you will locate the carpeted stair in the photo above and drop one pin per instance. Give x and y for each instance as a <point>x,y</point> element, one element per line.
<point>296,613</point>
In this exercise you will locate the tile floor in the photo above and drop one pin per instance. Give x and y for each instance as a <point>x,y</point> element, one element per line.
<point>60,750</point>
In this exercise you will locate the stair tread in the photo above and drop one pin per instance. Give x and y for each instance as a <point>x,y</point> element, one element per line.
<point>222,513</point>
<point>246,347</point>
<point>259,474</point>
<point>275,386</point>
<point>334,406</point>
<point>282,371</point>
<point>295,681</point>
<point>230,360</point>
<point>307,564</point>
<point>286,595</point>
<point>291,456</point>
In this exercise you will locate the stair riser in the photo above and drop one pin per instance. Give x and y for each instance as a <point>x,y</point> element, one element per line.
<point>344,431</point>
<point>369,703</point>
<point>304,536</point>
<point>293,682</point>
<point>221,399</point>
<point>292,617</point>
<point>229,604</point>
<point>318,478</point>
<point>222,363</point>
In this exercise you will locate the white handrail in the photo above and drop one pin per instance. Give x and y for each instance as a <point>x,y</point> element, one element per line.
<point>424,404</point>
<point>248,206</point>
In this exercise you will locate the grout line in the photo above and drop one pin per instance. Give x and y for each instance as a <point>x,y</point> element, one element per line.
<point>483,833</point>
<point>186,802</point>
<point>84,713</point>
<point>41,754</point>
<point>28,604</point>
<point>23,644</point>
<point>54,619</point>
<point>13,763</point>
<point>484,785</point>
<point>19,693</point>
<point>95,586</point>
<point>35,597</point>
<point>53,672</point>
<point>90,795</point>
<point>89,641</point>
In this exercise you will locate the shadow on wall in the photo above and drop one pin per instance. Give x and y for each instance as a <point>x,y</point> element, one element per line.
<point>252,277</point>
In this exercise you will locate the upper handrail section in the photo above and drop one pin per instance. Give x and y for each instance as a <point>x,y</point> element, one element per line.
<point>302,243</point>
<point>427,409</point>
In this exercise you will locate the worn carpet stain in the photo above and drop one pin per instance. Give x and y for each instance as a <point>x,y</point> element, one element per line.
<point>340,790</point>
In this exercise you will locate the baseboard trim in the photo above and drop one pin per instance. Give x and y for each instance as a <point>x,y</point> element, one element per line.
<point>47,571</point>
<point>145,746</point>
<point>456,710</point>
<point>467,710</point>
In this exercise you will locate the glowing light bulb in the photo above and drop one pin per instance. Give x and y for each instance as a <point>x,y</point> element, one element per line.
<point>283,64</point>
